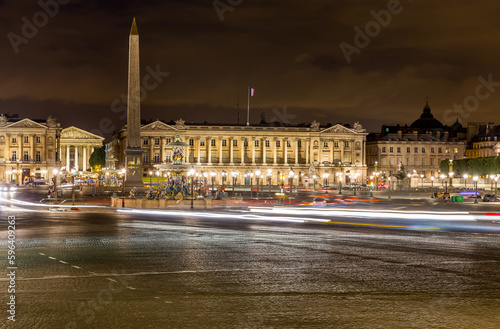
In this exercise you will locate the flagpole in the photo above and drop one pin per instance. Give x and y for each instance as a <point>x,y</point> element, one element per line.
<point>248,107</point>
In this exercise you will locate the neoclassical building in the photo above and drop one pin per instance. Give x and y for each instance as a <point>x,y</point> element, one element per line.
<point>311,150</point>
<point>485,143</point>
<point>420,147</point>
<point>33,148</point>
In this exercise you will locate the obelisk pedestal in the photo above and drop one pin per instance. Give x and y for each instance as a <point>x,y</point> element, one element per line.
<point>133,152</point>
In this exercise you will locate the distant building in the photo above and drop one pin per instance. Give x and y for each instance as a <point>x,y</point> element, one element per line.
<point>485,141</point>
<point>309,150</point>
<point>420,147</point>
<point>34,148</point>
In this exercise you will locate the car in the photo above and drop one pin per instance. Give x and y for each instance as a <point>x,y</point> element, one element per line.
<point>443,195</point>
<point>491,198</point>
<point>8,188</point>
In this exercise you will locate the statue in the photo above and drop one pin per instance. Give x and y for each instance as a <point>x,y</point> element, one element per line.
<point>358,127</point>
<point>315,125</point>
<point>3,120</point>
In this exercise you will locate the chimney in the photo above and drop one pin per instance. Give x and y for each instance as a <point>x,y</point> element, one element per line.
<point>446,134</point>
<point>263,118</point>
<point>438,135</point>
<point>400,134</point>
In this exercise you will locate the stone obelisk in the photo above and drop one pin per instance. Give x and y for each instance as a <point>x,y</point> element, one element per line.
<point>133,151</point>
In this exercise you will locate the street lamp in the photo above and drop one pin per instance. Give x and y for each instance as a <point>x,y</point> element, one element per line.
<point>54,177</point>
<point>422,179</point>
<point>224,174</point>
<point>191,174</point>
<point>356,182</point>
<point>290,180</point>
<point>234,174</point>
<point>451,173</point>
<point>257,173</point>
<point>475,178</point>
<point>325,179</point>
<point>269,176</point>
<point>389,187</point>
<point>496,181</point>
<point>432,186</point>
<point>376,175</point>
<point>150,175</point>
<point>158,177</point>
<point>251,183</point>
<point>123,171</point>
<point>73,173</point>
<point>339,174</point>
<point>212,174</point>
<point>465,179</point>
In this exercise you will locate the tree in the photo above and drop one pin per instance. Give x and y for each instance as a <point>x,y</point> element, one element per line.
<point>98,158</point>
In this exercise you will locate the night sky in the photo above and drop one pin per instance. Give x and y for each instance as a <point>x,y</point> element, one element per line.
<point>75,66</point>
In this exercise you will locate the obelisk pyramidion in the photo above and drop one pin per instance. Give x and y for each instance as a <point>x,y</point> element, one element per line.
<point>133,152</point>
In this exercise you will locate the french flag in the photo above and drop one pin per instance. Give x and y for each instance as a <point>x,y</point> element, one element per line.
<point>252,92</point>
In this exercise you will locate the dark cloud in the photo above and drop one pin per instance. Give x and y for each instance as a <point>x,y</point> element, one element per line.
<point>75,67</point>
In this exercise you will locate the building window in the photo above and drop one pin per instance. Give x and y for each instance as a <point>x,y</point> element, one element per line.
<point>212,142</point>
<point>191,142</point>
<point>346,143</point>
<point>267,143</point>
<point>399,149</point>
<point>235,142</point>
<point>299,143</point>
<point>14,156</point>
<point>440,150</point>
<point>423,161</point>
<point>145,141</point>
<point>383,149</point>
<point>455,150</point>
<point>14,140</point>
<point>145,157</point>
<point>168,140</point>
<point>325,144</point>
<point>432,150</point>
<point>288,143</point>
<point>391,149</point>
<point>157,157</point>
<point>26,139</point>
<point>278,143</point>
<point>423,149</point>
<point>224,142</point>
<point>202,142</point>
<point>408,150</point>
<point>245,143</point>
<point>26,156</point>
<point>168,158</point>
<point>38,156</point>
<point>415,150</point>
<point>432,161</point>
<point>157,141</point>
<point>336,143</point>
<point>38,140</point>
<point>256,143</point>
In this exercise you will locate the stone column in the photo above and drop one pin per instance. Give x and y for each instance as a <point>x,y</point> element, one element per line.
<point>220,151</point>
<point>20,141</point>
<point>162,149</point>
<point>231,150</point>
<point>331,151</point>
<point>67,158</point>
<point>285,145</point>
<point>253,150</point>
<point>84,160</point>
<point>198,149</point>
<point>307,151</point>
<point>263,151</point>
<point>32,155</point>
<point>352,147</point>
<point>151,149</point>
<point>7,148</point>
<point>342,144</point>
<point>209,140</point>
<point>296,151</point>
<point>363,150</point>
<point>275,149</point>
<point>242,148</point>
<point>187,151</point>
<point>76,157</point>
<point>320,152</point>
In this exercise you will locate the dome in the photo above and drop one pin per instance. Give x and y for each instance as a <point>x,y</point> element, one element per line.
<point>426,120</point>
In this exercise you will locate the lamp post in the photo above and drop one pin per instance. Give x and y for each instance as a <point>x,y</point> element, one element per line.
<point>212,174</point>
<point>450,171</point>
<point>224,175</point>
<point>409,181</point>
<point>269,176</point>
<point>389,187</point>
<point>465,179</point>
<point>150,175</point>
<point>476,178</point>
<point>124,171</point>
<point>376,175</point>
<point>73,173</point>
<point>191,174</point>
<point>422,180</point>
<point>54,177</point>
<point>158,177</point>
<point>355,182</point>
<point>340,182</point>
<point>432,187</point>
<point>325,179</point>
<point>496,181</point>
<point>234,174</point>
<point>251,184</point>
<point>258,176</point>
<point>290,180</point>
